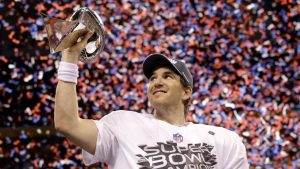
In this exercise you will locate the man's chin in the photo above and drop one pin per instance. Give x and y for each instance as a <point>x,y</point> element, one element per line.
<point>157,104</point>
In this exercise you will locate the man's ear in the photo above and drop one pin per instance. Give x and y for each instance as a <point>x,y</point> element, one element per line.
<point>187,93</point>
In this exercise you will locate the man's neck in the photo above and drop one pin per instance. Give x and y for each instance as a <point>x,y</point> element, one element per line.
<point>174,116</point>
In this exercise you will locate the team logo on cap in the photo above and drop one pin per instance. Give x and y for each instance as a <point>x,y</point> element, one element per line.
<point>172,61</point>
<point>178,138</point>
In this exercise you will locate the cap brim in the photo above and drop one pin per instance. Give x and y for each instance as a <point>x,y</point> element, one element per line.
<point>153,61</point>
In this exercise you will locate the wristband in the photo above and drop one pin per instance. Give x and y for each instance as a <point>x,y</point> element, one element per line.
<point>68,72</point>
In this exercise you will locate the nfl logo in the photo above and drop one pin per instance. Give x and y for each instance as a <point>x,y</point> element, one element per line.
<point>178,138</point>
<point>172,61</point>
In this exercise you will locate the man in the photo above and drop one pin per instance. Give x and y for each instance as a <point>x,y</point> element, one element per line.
<point>129,140</point>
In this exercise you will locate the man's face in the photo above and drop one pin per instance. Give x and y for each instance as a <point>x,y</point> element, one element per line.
<point>165,88</point>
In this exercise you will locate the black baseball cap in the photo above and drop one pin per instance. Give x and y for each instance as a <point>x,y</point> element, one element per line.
<point>159,60</point>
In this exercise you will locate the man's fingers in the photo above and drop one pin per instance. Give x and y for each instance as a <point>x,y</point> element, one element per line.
<point>85,39</point>
<point>71,39</point>
<point>78,34</point>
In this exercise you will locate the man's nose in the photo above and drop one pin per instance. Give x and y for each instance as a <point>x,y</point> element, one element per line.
<point>158,82</point>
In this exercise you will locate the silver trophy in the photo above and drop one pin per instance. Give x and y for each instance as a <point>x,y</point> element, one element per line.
<point>61,31</point>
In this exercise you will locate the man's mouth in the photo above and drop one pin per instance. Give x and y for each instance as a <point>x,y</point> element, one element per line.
<point>158,91</point>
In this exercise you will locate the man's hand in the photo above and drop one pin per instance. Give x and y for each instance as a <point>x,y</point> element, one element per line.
<point>77,41</point>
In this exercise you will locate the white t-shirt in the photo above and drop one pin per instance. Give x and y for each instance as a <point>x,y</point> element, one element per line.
<point>131,140</point>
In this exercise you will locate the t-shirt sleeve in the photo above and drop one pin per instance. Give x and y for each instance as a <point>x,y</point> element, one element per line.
<point>106,142</point>
<point>236,157</point>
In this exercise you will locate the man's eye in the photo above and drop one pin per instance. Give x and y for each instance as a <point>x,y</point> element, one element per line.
<point>152,78</point>
<point>168,76</point>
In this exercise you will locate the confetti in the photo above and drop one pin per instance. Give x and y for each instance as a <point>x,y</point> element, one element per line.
<point>243,57</point>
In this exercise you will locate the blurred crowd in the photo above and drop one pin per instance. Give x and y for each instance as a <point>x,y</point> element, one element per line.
<point>244,56</point>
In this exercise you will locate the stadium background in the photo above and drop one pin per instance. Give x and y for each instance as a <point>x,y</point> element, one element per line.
<point>244,56</point>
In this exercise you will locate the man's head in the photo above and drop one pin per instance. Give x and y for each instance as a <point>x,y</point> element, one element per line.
<point>169,80</point>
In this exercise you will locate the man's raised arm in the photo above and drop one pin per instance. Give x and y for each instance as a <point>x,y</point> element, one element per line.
<point>83,132</point>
